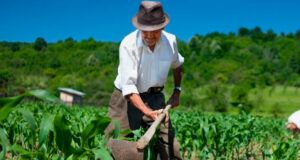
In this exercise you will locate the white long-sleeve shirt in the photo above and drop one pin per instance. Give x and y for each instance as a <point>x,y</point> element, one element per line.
<point>140,68</point>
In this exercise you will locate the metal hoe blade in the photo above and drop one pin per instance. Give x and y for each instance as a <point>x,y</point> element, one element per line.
<point>125,150</point>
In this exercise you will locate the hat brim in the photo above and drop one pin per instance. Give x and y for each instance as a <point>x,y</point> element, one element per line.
<point>148,27</point>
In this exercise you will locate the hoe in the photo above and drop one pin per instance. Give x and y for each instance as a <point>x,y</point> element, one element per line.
<point>126,150</point>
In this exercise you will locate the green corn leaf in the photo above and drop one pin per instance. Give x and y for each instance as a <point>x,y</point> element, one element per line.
<point>24,153</point>
<point>3,138</point>
<point>125,132</point>
<point>2,154</point>
<point>3,142</point>
<point>5,101</point>
<point>78,153</point>
<point>28,116</point>
<point>63,135</point>
<point>43,95</point>
<point>102,154</point>
<point>8,104</point>
<point>138,133</point>
<point>96,126</point>
<point>149,153</point>
<point>45,127</point>
<point>47,97</point>
<point>117,129</point>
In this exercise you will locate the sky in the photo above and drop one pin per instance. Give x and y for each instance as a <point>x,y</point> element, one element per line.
<point>110,20</point>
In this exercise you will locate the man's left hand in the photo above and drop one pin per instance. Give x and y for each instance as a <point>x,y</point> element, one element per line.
<point>174,99</point>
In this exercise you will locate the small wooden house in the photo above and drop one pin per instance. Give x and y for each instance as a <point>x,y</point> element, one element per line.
<point>70,96</point>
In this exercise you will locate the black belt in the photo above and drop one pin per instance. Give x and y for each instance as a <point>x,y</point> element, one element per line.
<point>153,90</point>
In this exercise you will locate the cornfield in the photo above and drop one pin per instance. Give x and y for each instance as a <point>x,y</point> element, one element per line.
<point>52,131</point>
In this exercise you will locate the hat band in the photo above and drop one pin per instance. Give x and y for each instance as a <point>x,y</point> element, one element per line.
<point>150,21</point>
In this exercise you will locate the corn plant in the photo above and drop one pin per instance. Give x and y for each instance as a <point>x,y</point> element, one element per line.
<point>46,131</point>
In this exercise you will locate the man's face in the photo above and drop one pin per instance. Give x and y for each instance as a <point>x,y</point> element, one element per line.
<point>150,38</point>
<point>293,127</point>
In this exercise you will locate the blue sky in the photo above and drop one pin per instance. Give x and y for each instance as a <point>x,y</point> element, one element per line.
<point>110,20</point>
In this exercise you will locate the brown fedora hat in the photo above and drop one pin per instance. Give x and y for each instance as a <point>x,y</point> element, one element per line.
<point>150,16</point>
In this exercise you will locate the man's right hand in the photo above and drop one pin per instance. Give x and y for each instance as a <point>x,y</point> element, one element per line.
<point>153,114</point>
<point>139,104</point>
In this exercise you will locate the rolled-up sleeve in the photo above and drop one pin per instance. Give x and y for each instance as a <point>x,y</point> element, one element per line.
<point>177,57</point>
<point>128,70</point>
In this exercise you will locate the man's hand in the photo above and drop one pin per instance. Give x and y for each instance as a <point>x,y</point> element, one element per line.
<point>139,104</point>
<point>174,99</point>
<point>153,114</point>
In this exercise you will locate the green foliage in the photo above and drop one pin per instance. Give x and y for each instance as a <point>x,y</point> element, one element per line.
<point>297,34</point>
<point>5,78</point>
<point>217,95</point>
<point>96,126</point>
<point>203,135</point>
<point>243,31</point>
<point>239,97</point>
<point>46,126</point>
<point>56,126</point>
<point>220,136</point>
<point>40,44</point>
<point>8,104</point>
<point>63,135</point>
<point>262,57</point>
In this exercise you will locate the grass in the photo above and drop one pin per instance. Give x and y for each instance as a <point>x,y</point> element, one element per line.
<point>277,100</point>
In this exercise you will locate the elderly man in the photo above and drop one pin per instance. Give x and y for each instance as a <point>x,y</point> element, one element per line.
<point>294,122</point>
<point>146,56</point>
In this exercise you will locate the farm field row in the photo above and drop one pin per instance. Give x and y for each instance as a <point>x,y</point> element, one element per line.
<point>49,131</point>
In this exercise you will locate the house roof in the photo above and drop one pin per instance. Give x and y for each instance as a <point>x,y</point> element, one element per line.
<point>71,91</point>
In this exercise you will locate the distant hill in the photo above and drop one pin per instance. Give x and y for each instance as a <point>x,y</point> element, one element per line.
<point>223,67</point>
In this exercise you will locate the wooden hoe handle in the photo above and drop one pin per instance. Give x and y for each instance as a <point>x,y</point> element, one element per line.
<point>145,139</point>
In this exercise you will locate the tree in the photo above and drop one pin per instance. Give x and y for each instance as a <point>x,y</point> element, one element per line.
<point>5,77</point>
<point>195,43</point>
<point>243,31</point>
<point>14,47</point>
<point>270,35</point>
<point>40,44</point>
<point>256,33</point>
<point>297,34</point>
<point>256,30</point>
<point>240,98</point>
<point>217,93</point>
<point>69,42</point>
<point>294,62</point>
